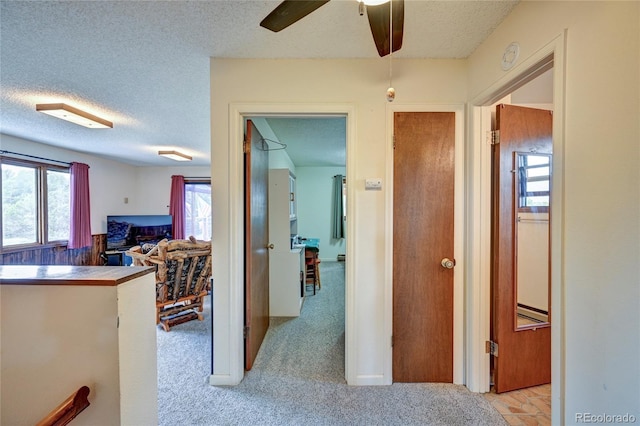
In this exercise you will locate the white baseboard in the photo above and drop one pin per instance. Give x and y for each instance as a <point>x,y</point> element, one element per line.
<point>223,380</point>
<point>370,380</point>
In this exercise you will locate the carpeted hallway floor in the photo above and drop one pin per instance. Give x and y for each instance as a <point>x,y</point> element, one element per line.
<point>298,378</point>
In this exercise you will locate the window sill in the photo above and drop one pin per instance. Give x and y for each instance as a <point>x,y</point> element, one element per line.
<point>17,249</point>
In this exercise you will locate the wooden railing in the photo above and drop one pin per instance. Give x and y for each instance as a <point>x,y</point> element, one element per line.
<point>68,410</point>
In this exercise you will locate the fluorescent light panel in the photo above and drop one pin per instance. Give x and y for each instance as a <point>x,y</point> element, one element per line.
<point>175,155</point>
<point>74,115</point>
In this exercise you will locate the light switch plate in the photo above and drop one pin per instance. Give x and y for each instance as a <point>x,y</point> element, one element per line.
<point>373,184</point>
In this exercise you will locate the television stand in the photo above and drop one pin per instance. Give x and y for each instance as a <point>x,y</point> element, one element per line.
<point>113,258</point>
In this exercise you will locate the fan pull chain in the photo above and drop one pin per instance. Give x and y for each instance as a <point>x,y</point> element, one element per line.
<point>391,92</point>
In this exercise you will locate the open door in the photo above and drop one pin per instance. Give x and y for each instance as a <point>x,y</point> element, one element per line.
<point>256,298</point>
<point>521,310</point>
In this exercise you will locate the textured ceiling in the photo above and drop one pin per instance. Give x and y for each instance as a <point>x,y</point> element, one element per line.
<point>145,64</point>
<point>318,141</point>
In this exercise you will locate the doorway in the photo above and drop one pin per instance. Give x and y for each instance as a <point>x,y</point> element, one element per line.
<point>228,347</point>
<point>266,119</point>
<point>521,314</point>
<point>550,57</point>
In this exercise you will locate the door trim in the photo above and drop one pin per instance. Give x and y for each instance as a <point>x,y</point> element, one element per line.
<point>479,220</point>
<point>228,344</point>
<point>459,225</point>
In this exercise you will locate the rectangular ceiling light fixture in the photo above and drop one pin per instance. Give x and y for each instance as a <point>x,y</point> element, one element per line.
<point>175,155</point>
<point>74,115</point>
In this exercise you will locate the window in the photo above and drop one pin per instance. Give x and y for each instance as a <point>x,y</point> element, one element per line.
<point>534,178</point>
<point>197,200</point>
<point>35,203</point>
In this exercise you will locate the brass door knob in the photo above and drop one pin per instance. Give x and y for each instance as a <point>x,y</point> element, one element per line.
<point>448,263</point>
<point>271,246</point>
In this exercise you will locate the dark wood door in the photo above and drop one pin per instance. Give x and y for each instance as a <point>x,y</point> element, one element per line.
<point>524,354</point>
<point>423,214</point>
<point>256,176</point>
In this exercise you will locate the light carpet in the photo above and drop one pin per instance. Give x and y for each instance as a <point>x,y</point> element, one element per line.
<point>298,378</point>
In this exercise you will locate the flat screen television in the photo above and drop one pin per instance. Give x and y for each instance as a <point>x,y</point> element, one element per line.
<point>124,232</point>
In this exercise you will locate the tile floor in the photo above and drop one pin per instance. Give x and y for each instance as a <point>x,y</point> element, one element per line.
<point>531,406</point>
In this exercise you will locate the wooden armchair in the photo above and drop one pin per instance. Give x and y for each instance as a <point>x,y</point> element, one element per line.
<point>183,273</point>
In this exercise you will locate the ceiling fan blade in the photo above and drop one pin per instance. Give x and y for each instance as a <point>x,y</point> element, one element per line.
<point>379,23</point>
<point>289,12</point>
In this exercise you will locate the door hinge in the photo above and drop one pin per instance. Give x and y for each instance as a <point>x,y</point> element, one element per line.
<point>245,332</point>
<point>392,340</point>
<point>491,348</point>
<point>394,141</point>
<point>493,137</point>
<point>245,146</point>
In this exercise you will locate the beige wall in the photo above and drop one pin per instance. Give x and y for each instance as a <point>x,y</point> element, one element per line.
<point>38,362</point>
<point>597,334</point>
<point>599,286</point>
<point>361,84</point>
<point>70,336</point>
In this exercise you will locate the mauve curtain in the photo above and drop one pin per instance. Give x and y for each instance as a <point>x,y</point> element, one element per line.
<point>176,206</point>
<point>337,231</point>
<point>80,235</point>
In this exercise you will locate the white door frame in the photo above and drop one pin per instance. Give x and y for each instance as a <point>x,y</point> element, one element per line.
<point>479,220</point>
<point>459,225</point>
<point>228,342</point>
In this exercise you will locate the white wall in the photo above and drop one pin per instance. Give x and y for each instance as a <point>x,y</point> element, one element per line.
<point>358,83</point>
<point>532,270</point>
<point>153,186</point>
<point>146,188</point>
<point>315,208</point>
<point>280,160</point>
<point>596,343</point>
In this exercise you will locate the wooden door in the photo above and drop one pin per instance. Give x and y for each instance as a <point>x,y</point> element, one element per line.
<point>524,354</point>
<point>256,241</point>
<point>423,215</point>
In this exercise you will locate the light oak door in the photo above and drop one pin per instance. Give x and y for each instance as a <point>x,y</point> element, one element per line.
<point>256,176</point>
<point>423,218</point>
<point>524,352</point>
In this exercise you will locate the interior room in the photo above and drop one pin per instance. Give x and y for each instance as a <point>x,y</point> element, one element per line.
<point>185,77</point>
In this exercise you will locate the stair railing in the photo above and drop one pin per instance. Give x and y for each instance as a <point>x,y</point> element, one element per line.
<point>68,410</point>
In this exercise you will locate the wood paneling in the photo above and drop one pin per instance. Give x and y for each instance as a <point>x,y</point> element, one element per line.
<point>59,255</point>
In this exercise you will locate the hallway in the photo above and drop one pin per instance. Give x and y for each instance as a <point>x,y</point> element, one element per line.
<point>298,379</point>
